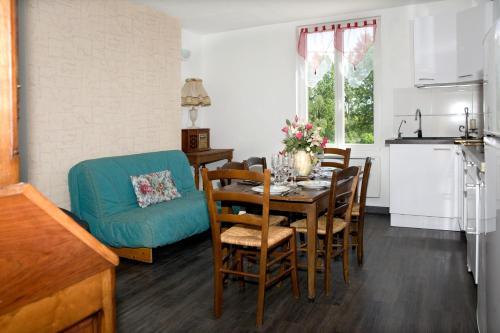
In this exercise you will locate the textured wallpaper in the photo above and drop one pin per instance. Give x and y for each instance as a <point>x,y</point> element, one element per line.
<point>99,78</point>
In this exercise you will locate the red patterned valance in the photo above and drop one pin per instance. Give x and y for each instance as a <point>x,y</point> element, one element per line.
<point>338,30</point>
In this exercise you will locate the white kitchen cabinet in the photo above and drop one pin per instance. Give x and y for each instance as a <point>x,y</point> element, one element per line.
<point>472,25</point>
<point>460,165</point>
<point>469,44</point>
<point>435,49</point>
<point>423,50</point>
<point>423,186</point>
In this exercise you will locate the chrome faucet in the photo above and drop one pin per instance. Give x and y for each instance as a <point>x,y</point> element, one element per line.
<point>400,135</point>
<point>418,115</point>
<point>465,128</point>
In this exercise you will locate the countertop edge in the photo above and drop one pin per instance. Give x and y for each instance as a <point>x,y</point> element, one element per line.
<point>416,141</point>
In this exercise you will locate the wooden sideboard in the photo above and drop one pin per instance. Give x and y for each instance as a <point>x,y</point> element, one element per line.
<point>55,276</point>
<point>9,151</point>
<point>200,159</point>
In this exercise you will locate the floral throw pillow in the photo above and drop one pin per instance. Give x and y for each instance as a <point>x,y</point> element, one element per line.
<point>154,187</point>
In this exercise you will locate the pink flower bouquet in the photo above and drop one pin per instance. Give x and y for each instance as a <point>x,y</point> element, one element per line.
<point>300,135</point>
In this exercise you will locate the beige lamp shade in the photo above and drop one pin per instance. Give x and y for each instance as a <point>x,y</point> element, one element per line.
<point>193,93</point>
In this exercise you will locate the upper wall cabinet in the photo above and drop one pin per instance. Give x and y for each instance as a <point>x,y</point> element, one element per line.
<point>448,47</point>
<point>472,25</point>
<point>434,45</point>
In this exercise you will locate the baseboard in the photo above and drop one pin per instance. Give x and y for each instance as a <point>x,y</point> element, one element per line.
<point>424,222</point>
<point>377,210</point>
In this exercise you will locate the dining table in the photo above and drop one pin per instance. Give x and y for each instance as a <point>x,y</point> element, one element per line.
<point>310,202</point>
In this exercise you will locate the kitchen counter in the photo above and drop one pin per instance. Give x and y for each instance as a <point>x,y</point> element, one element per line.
<point>434,141</point>
<point>422,141</point>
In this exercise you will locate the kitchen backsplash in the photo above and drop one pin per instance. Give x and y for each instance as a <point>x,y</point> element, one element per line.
<point>442,110</point>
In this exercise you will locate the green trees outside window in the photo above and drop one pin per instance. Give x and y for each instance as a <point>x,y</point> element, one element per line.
<point>359,111</point>
<point>358,82</point>
<point>358,108</point>
<point>321,106</point>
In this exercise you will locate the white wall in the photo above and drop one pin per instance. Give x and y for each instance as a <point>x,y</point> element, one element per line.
<point>442,110</point>
<point>250,75</point>
<point>99,78</point>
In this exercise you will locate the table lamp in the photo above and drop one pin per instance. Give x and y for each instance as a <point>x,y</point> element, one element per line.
<point>193,94</point>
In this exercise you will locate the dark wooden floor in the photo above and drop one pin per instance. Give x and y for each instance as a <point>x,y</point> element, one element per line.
<point>412,281</point>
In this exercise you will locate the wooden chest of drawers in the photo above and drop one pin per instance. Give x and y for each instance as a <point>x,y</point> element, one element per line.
<point>55,276</point>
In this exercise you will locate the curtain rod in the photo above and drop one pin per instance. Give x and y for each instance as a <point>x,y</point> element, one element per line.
<point>313,25</point>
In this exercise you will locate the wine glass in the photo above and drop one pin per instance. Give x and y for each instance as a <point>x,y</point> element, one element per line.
<point>291,168</point>
<point>274,161</point>
<point>317,167</point>
<point>276,164</point>
<point>284,167</point>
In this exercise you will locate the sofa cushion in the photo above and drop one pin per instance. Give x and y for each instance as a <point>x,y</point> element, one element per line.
<point>153,188</point>
<point>156,225</point>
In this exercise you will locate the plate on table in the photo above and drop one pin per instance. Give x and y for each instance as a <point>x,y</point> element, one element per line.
<point>275,189</point>
<point>314,184</point>
<point>326,174</point>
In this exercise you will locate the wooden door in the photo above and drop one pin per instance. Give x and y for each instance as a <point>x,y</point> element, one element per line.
<point>9,152</point>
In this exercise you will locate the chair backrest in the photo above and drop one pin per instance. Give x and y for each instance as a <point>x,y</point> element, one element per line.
<point>345,154</point>
<point>342,190</point>
<point>231,166</point>
<point>228,196</point>
<point>256,163</point>
<point>364,186</point>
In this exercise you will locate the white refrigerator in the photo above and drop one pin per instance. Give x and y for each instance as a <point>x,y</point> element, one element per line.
<point>488,296</point>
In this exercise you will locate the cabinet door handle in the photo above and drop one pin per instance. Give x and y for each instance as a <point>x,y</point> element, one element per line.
<point>436,148</point>
<point>464,76</point>
<point>471,231</point>
<point>426,79</point>
<point>15,152</point>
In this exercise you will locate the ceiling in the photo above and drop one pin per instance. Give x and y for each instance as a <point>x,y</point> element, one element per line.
<point>210,16</point>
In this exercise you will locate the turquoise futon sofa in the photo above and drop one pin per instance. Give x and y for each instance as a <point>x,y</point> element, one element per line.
<point>102,194</point>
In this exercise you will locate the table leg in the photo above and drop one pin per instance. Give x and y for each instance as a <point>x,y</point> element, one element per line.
<point>196,167</point>
<point>312,226</point>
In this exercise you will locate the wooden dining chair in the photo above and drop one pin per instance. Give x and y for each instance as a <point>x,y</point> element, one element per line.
<point>231,166</point>
<point>336,153</point>
<point>249,234</point>
<point>273,219</point>
<point>358,213</point>
<point>256,163</point>
<point>335,221</point>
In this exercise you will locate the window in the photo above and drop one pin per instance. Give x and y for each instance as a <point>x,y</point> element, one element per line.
<point>338,75</point>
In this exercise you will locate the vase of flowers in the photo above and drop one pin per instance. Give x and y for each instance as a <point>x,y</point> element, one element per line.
<point>303,163</point>
<point>303,140</point>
